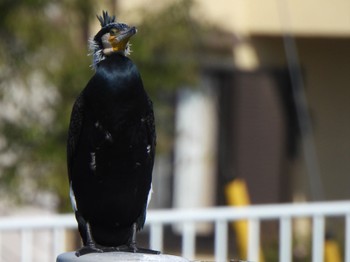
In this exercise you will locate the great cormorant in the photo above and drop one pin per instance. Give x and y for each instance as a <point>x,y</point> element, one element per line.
<point>111,146</point>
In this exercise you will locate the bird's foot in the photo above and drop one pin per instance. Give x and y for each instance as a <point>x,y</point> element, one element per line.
<point>88,249</point>
<point>132,248</point>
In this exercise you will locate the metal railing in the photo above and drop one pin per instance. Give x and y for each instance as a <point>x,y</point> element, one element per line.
<point>220,216</point>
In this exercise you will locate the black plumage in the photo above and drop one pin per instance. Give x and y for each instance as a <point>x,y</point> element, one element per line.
<point>111,146</point>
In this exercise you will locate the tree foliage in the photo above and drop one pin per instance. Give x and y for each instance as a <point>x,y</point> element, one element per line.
<point>43,65</point>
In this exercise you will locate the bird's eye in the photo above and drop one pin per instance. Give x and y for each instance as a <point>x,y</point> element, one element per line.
<point>114,31</point>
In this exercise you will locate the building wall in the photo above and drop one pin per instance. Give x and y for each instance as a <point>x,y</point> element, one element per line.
<point>328,80</point>
<point>325,66</point>
<point>312,17</point>
<point>322,32</point>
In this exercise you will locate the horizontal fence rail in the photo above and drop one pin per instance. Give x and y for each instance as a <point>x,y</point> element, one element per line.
<point>188,218</point>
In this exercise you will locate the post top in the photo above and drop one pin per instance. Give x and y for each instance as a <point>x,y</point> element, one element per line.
<point>118,256</point>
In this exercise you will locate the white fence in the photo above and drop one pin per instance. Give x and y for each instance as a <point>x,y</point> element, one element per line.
<point>220,216</point>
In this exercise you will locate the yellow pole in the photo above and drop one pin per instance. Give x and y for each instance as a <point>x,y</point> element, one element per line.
<point>331,251</point>
<point>237,195</point>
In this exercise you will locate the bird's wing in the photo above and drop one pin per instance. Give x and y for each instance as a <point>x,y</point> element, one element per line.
<point>152,137</point>
<point>75,125</point>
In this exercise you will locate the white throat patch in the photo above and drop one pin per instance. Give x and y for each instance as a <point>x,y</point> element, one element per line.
<point>97,53</point>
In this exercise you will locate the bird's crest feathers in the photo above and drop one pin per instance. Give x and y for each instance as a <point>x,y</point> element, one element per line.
<point>105,19</point>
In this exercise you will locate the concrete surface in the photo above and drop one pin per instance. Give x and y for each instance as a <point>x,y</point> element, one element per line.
<point>118,256</point>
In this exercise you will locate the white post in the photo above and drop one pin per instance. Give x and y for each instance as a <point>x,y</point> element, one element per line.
<point>253,239</point>
<point>347,238</point>
<point>0,245</point>
<point>285,253</point>
<point>26,245</point>
<point>220,240</point>
<point>58,241</point>
<point>195,145</point>
<point>156,236</point>
<point>188,240</point>
<point>318,238</point>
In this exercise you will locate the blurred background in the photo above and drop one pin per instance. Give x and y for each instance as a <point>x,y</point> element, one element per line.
<point>257,90</point>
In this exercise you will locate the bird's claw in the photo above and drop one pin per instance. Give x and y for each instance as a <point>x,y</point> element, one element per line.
<point>124,248</point>
<point>87,250</point>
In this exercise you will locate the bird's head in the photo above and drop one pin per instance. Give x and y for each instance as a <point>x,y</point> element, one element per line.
<point>113,37</point>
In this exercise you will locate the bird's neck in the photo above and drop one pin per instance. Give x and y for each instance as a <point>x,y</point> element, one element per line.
<point>111,50</point>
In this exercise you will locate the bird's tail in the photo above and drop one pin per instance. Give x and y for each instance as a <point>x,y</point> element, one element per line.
<point>111,236</point>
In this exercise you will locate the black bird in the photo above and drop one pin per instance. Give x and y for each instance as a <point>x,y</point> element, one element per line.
<point>111,146</point>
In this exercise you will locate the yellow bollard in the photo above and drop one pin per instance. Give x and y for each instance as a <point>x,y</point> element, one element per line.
<point>331,251</point>
<point>237,195</point>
